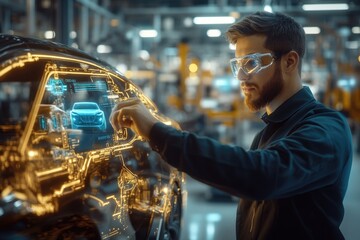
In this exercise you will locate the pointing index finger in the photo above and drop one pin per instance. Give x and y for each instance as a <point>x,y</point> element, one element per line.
<point>125,103</point>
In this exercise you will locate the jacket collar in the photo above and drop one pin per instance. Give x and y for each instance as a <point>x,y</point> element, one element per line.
<point>290,106</point>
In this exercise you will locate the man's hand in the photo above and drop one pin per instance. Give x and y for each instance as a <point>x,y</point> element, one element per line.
<point>132,113</point>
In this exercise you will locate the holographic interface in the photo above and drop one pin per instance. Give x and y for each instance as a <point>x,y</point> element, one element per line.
<point>65,173</point>
<point>87,115</point>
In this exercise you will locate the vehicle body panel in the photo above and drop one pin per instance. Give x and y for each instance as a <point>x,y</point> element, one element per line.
<point>60,178</point>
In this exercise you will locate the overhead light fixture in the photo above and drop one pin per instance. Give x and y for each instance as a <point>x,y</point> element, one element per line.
<point>312,30</point>
<point>102,48</point>
<point>193,67</point>
<point>72,35</point>
<point>144,55</point>
<point>213,33</point>
<point>49,34</point>
<point>149,33</point>
<point>232,46</point>
<point>355,30</point>
<point>214,20</point>
<point>122,67</point>
<point>74,45</point>
<point>188,22</point>
<point>268,8</point>
<point>325,7</point>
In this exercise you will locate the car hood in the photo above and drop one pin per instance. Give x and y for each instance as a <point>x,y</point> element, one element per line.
<point>86,111</point>
<point>11,42</point>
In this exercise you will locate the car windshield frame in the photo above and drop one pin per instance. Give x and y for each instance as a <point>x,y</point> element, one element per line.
<point>17,94</point>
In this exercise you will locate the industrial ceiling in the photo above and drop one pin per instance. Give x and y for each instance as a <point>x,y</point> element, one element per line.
<point>118,22</point>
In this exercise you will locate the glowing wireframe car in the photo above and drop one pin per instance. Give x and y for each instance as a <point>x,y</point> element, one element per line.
<point>61,181</point>
<point>87,115</point>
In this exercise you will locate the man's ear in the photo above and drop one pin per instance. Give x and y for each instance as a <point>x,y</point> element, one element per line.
<point>291,61</point>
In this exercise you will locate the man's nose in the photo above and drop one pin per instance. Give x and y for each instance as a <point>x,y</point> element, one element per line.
<point>242,76</point>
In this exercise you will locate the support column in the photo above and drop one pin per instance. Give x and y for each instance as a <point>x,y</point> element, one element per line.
<point>84,27</point>
<point>64,21</point>
<point>30,15</point>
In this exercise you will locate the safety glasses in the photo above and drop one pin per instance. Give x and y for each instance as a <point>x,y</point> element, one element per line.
<point>251,64</point>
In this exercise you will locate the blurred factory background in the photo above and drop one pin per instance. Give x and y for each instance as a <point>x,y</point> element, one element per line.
<point>176,51</point>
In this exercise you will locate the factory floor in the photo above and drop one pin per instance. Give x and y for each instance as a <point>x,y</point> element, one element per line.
<point>211,216</point>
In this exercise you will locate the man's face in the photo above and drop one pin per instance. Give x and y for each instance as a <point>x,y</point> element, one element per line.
<point>262,87</point>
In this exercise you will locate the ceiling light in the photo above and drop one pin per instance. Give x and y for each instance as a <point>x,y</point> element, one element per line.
<point>72,34</point>
<point>312,30</point>
<point>188,22</point>
<point>102,48</point>
<point>268,8</point>
<point>213,33</point>
<point>122,67</point>
<point>144,55</point>
<point>355,30</point>
<point>150,33</point>
<point>325,7</point>
<point>75,45</point>
<point>168,23</point>
<point>214,20</point>
<point>232,46</point>
<point>193,68</point>
<point>49,34</point>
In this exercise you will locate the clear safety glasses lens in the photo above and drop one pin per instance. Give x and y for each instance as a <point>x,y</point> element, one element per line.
<point>251,64</point>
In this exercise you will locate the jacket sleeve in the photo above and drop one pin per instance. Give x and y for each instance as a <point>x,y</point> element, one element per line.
<point>310,158</point>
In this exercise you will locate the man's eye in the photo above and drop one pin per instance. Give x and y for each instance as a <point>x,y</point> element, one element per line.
<point>250,64</point>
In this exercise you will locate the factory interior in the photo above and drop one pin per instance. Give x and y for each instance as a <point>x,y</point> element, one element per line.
<point>182,64</point>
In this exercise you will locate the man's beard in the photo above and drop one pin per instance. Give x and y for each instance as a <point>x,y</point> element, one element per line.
<point>268,92</point>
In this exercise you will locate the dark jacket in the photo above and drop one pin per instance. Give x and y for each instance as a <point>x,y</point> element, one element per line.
<point>291,182</point>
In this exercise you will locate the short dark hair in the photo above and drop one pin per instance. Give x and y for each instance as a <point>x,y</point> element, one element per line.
<point>282,32</point>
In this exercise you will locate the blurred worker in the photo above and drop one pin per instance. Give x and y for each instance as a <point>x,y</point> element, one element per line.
<point>293,179</point>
